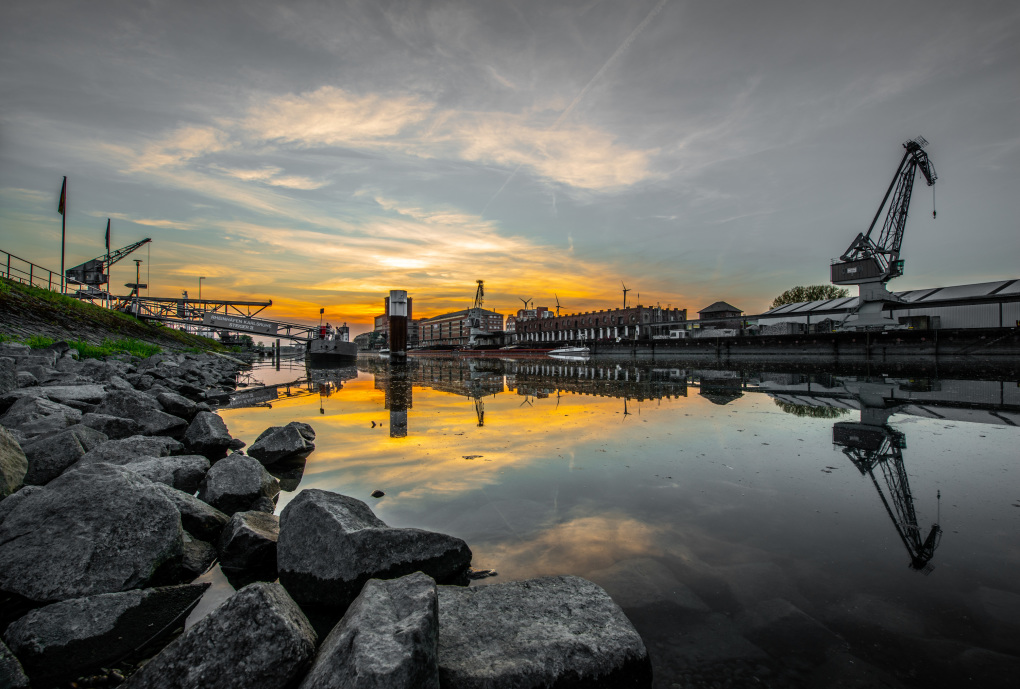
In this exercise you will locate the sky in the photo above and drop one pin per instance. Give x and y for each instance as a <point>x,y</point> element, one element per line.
<point>319,154</point>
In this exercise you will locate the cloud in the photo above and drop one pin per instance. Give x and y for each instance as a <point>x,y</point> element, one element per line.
<point>270,174</point>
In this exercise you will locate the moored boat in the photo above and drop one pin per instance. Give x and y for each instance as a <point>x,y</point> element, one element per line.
<point>573,352</point>
<point>332,344</point>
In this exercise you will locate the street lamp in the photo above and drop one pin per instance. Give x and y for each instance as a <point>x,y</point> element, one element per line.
<point>200,288</point>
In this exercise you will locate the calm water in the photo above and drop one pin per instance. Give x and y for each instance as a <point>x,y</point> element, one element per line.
<point>753,524</point>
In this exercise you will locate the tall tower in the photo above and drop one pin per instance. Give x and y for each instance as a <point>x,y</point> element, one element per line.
<point>398,324</point>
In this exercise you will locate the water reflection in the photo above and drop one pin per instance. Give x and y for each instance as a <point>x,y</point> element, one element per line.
<point>700,496</point>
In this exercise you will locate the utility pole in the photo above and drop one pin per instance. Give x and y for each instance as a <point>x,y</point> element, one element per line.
<point>200,288</point>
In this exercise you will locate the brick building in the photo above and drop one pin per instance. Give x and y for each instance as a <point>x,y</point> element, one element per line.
<point>459,328</point>
<point>382,323</point>
<point>633,323</point>
<point>721,315</point>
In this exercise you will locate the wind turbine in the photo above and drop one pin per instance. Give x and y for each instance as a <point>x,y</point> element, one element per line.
<point>625,290</point>
<point>525,302</point>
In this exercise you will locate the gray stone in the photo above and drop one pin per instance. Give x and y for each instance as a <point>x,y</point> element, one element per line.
<point>258,639</point>
<point>13,464</point>
<point>183,472</point>
<point>12,675</point>
<point>550,632</point>
<point>178,405</point>
<point>201,520</point>
<point>26,379</point>
<point>114,427</point>
<point>95,529</point>
<point>145,410</point>
<point>281,442</point>
<point>263,504</point>
<point>387,639</point>
<point>127,450</point>
<point>49,456</point>
<point>8,504</point>
<point>234,483</point>
<point>249,541</point>
<point>331,544</point>
<point>115,382</point>
<point>289,472</point>
<point>62,394</point>
<point>37,415</point>
<point>207,435</point>
<point>9,379</point>
<point>198,557</point>
<point>65,640</point>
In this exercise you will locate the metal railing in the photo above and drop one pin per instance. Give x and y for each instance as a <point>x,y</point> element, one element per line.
<point>16,268</point>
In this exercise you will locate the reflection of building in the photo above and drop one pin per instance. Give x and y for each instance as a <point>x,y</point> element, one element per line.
<point>542,378</point>
<point>634,323</point>
<point>460,328</point>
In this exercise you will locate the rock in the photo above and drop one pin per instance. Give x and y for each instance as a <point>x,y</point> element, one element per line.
<point>65,640</point>
<point>62,394</point>
<point>178,405</point>
<point>155,422</point>
<point>36,415</point>
<point>50,456</point>
<point>249,542</point>
<point>258,639</point>
<point>127,450</point>
<point>115,382</point>
<point>198,557</point>
<point>183,472</point>
<point>264,504</point>
<point>13,464</point>
<point>388,638</point>
<point>306,431</point>
<point>26,379</point>
<point>280,442</point>
<point>331,544</point>
<point>207,435</point>
<point>201,520</point>
<point>8,504</point>
<point>12,676</point>
<point>95,529</point>
<point>9,378</point>
<point>554,631</point>
<point>114,427</point>
<point>377,493</point>
<point>234,483</point>
<point>289,471</point>
<point>143,409</point>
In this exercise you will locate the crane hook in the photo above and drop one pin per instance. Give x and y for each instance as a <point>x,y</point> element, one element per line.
<point>933,202</point>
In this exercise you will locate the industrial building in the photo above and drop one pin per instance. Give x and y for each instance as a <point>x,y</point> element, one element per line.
<point>459,328</point>
<point>632,323</point>
<point>382,323</point>
<point>980,305</point>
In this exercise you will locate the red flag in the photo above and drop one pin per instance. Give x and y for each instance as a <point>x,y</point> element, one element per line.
<point>63,197</point>
<point>107,235</point>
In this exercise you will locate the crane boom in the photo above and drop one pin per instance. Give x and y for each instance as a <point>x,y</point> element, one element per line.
<point>97,271</point>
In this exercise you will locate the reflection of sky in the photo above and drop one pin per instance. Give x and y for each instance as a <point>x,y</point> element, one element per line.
<point>740,502</point>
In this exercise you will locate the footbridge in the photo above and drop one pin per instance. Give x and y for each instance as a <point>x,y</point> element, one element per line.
<point>213,314</point>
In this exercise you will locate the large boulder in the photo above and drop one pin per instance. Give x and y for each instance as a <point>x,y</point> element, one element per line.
<point>62,394</point>
<point>551,632</point>
<point>201,520</point>
<point>127,450</point>
<point>183,472</point>
<point>97,529</point>
<point>8,504</point>
<point>12,675</point>
<point>277,443</point>
<point>65,640</point>
<point>387,638</point>
<point>235,483</point>
<point>8,375</point>
<point>145,410</point>
<point>34,416</point>
<point>258,639</point>
<point>199,557</point>
<point>207,435</point>
<point>249,542</point>
<point>13,464</point>
<point>331,544</point>
<point>178,405</point>
<point>50,455</point>
<point>114,427</point>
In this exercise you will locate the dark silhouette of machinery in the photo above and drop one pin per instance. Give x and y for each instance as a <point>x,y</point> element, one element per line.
<point>479,294</point>
<point>870,263</point>
<point>96,272</point>
<point>872,445</point>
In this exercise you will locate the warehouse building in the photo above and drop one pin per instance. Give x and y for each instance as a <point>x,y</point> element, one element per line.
<point>459,329</point>
<point>633,323</point>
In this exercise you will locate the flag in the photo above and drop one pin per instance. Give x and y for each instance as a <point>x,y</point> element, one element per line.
<point>107,235</point>
<point>63,197</point>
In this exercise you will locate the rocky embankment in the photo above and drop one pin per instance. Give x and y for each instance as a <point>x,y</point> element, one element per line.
<point>120,486</point>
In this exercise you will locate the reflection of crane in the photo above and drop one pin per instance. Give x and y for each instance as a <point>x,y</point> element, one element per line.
<point>480,411</point>
<point>873,445</point>
<point>625,290</point>
<point>479,294</point>
<point>96,272</point>
<point>869,263</point>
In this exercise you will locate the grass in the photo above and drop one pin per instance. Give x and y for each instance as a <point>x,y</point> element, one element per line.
<point>107,348</point>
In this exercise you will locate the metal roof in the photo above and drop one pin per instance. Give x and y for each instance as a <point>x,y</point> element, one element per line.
<point>913,297</point>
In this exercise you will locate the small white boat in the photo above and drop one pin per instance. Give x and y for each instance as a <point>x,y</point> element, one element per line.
<point>384,353</point>
<point>574,352</point>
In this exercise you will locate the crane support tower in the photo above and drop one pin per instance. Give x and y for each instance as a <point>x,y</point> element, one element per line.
<point>870,263</point>
<point>95,273</point>
<point>479,294</point>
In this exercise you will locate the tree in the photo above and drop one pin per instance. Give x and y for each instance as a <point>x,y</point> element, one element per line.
<point>809,293</point>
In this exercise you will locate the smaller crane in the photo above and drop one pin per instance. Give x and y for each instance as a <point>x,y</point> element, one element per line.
<point>557,304</point>
<point>96,272</point>
<point>479,294</point>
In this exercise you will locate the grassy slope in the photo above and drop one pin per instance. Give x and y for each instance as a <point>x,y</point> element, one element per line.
<point>26,311</point>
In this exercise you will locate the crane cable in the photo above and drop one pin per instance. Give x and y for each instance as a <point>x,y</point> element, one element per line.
<point>933,202</point>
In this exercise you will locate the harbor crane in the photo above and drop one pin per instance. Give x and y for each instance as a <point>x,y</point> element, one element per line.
<point>558,306</point>
<point>871,263</point>
<point>479,294</point>
<point>96,272</point>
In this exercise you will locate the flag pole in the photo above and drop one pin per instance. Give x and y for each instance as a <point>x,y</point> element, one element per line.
<point>62,209</point>
<point>109,278</point>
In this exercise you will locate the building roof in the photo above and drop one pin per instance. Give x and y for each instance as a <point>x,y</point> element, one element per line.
<point>914,297</point>
<point>720,306</point>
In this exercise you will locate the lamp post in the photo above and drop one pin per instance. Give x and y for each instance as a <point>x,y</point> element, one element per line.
<point>200,287</point>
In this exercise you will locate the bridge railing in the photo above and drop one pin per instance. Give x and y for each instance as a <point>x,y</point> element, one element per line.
<point>27,273</point>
